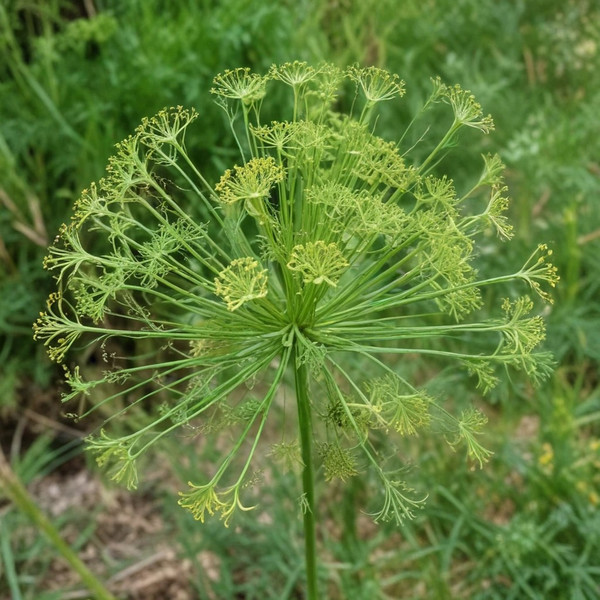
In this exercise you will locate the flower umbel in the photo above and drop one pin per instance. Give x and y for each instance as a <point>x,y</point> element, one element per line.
<point>240,84</point>
<point>202,499</point>
<point>318,262</point>
<point>253,180</point>
<point>326,254</point>
<point>377,84</point>
<point>467,111</point>
<point>537,269</point>
<point>243,280</point>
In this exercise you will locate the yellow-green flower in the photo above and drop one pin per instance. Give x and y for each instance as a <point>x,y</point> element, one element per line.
<point>318,262</point>
<point>243,280</point>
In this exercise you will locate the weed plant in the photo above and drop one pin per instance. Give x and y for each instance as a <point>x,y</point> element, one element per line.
<point>531,64</point>
<point>325,242</point>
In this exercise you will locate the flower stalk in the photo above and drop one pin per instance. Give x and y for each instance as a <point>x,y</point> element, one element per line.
<point>309,506</point>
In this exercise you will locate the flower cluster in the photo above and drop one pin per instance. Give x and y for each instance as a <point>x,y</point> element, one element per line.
<point>318,262</point>
<point>252,181</point>
<point>326,242</point>
<point>243,280</point>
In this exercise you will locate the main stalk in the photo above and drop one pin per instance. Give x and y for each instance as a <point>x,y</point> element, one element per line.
<point>308,486</point>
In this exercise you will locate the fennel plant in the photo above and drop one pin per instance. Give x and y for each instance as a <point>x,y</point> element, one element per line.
<point>324,242</point>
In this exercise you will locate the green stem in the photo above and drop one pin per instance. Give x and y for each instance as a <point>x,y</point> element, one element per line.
<point>453,129</point>
<point>24,502</point>
<point>305,426</point>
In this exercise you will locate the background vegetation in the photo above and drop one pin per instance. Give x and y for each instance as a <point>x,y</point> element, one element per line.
<point>77,76</point>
